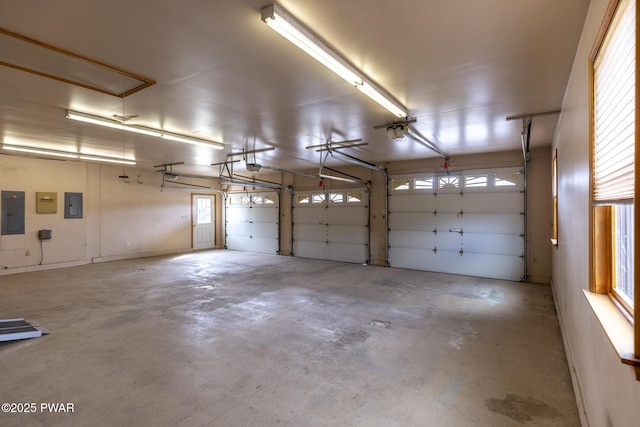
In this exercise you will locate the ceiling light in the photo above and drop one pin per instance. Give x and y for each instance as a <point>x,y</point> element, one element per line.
<point>189,140</point>
<point>381,99</point>
<point>288,27</point>
<point>66,154</point>
<point>101,121</point>
<point>39,151</point>
<point>96,120</point>
<point>108,160</point>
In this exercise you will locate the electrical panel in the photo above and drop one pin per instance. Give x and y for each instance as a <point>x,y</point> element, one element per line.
<point>12,219</point>
<point>72,205</point>
<point>46,202</point>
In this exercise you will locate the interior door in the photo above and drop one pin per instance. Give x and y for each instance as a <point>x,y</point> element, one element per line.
<point>203,208</point>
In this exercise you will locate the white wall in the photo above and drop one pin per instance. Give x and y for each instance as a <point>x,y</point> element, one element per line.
<point>121,220</point>
<point>69,235</point>
<point>607,390</point>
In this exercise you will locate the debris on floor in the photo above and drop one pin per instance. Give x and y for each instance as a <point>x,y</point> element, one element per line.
<point>380,323</point>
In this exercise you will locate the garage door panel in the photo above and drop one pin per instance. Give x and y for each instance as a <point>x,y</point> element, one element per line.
<point>479,265</point>
<point>239,243</point>
<point>314,233</point>
<point>425,259</point>
<point>446,241</point>
<point>346,215</point>
<point>264,214</point>
<point>334,230</point>
<point>411,202</point>
<point>346,252</point>
<point>493,223</point>
<point>308,249</point>
<point>237,228</point>
<point>410,221</point>
<point>412,239</point>
<point>252,226</point>
<point>488,202</point>
<point>264,245</point>
<point>238,214</point>
<point>495,244</point>
<point>446,222</point>
<point>485,223</point>
<point>347,234</point>
<point>447,202</point>
<point>494,266</point>
<point>264,230</point>
<point>309,215</point>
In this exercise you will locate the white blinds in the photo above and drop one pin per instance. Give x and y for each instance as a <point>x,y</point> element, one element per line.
<point>614,104</point>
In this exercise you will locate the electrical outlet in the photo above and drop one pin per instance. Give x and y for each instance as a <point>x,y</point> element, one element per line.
<point>27,253</point>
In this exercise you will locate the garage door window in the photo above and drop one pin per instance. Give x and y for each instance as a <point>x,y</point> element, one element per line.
<point>475,181</point>
<point>423,183</point>
<point>448,182</point>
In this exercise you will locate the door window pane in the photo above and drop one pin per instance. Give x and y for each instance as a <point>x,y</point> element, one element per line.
<point>204,211</point>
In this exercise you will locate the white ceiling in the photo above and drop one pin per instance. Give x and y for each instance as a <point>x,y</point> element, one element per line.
<point>459,66</point>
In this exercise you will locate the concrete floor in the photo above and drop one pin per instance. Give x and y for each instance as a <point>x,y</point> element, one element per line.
<point>222,338</point>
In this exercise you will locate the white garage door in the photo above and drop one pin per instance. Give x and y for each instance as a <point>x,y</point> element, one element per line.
<point>332,225</point>
<point>470,223</point>
<point>252,222</point>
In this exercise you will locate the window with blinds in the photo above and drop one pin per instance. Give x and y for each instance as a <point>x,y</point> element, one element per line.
<point>613,155</point>
<point>614,110</point>
<point>614,255</point>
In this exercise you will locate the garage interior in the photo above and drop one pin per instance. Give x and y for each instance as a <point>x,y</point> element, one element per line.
<point>214,228</point>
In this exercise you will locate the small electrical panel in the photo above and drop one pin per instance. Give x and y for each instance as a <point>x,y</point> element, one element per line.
<point>12,217</point>
<point>46,202</point>
<point>44,234</point>
<point>73,205</point>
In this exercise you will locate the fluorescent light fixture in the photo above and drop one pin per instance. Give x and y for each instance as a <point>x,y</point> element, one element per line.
<point>39,151</point>
<point>66,154</point>
<point>158,133</point>
<point>381,99</point>
<point>287,26</point>
<point>107,160</point>
<point>189,140</point>
<point>95,120</point>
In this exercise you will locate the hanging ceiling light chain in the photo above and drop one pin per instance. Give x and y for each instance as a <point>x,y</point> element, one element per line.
<point>124,175</point>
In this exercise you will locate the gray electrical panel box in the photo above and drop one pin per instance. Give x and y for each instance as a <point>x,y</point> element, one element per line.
<point>12,219</point>
<point>44,234</point>
<point>72,205</point>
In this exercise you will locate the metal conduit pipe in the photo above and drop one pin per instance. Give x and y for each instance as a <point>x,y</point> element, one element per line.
<point>291,222</point>
<point>526,158</point>
<point>526,131</point>
<point>386,218</point>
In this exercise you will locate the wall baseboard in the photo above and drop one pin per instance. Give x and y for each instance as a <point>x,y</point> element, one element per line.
<point>97,260</point>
